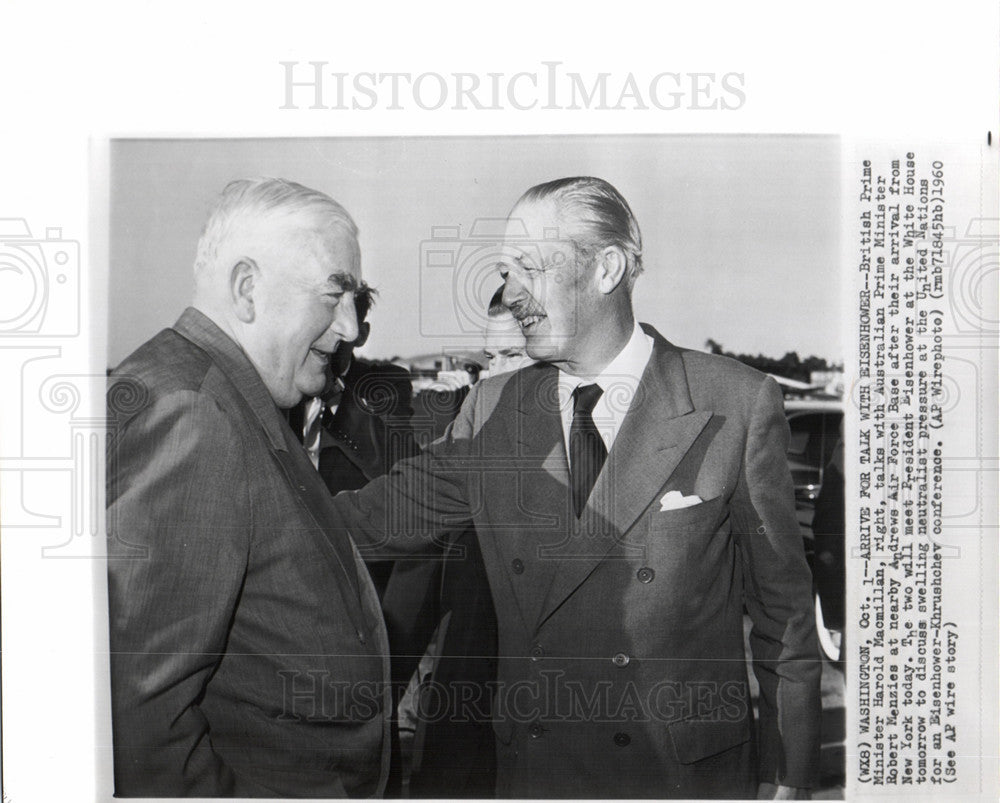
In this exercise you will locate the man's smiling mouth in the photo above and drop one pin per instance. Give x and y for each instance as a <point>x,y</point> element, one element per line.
<point>530,320</point>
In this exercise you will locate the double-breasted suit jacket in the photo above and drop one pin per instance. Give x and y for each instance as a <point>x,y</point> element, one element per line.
<point>248,651</point>
<point>622,667</point>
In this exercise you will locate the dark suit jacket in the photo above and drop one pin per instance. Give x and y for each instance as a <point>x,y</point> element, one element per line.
<point>370,429</point>
<point>369,432</point>
<point>434,410</point>
<point>621,670</point>
<point>248,652</point>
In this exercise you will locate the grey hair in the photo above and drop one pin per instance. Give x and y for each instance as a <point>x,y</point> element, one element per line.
<point>251,200</point>
<point>602,213</point>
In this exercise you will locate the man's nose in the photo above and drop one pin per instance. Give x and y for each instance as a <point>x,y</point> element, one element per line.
<point>513,288</point>
<point>345,319</point>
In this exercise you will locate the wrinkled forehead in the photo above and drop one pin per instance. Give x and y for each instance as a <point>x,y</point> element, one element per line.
<point>536,235</point>
<point>305,251</point>
<point>538,220</point>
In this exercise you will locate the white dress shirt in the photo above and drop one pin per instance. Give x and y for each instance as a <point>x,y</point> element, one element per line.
<point>618,380</point>
<point>312,422</point>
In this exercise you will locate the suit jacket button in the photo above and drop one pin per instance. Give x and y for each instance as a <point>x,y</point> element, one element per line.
<point>621,659</point>
<point>537,652</point>
<point>535,730</point>
<point>761,530</point>
<point>517,565</point>
<point>623,739</point>
<point>645,575</point>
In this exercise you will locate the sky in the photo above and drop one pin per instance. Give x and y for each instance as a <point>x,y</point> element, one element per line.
<point>740,233</point>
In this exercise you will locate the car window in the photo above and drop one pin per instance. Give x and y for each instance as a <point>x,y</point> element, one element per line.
<point>814,435</point>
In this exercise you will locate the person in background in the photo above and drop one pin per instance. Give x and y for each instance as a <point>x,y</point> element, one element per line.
<point>438,402</point>
<point>505,348</point>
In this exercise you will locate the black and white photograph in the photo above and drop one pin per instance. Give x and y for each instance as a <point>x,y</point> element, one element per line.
<point>538,401</point>
<point>463,467</point>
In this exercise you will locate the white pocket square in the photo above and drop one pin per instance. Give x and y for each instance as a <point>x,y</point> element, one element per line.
<point>674,500</point>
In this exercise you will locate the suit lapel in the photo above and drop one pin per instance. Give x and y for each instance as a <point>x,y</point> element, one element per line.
<point>309,487</point>
<point>298,471</point>
<point>539,433</point>
<point>660,427</point>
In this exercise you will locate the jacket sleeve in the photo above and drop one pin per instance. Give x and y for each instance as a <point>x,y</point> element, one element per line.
<point>421,500</point>
<point>179,530</point>
<point>778,595</point>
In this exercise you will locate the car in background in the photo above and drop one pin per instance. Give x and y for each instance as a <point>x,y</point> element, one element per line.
<point>816,427</point>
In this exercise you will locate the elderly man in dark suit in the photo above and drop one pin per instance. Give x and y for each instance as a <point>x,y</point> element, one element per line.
<point>248,651</point>
<point>630,497</point>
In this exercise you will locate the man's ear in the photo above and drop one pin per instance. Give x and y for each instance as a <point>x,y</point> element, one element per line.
<point>243,280</point>
<point>611,266</point>
<point>364,329</point>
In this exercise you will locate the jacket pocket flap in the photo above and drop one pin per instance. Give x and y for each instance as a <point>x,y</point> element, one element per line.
<point>695,739</point>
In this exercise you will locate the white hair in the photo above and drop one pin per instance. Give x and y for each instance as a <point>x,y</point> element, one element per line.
<point>245,203</point>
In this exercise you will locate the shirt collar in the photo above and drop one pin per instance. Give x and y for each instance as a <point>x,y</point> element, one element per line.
<point>623,372</point>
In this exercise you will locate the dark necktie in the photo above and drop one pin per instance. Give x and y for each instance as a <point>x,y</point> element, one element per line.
<point>331,405</point>
<point>587,451</point>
